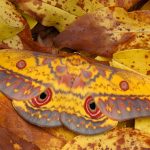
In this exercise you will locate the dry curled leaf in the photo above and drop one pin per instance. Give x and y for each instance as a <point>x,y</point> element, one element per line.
<point>146,6</point>
<point>60,13</point>
<point>24,40</point>
<point>141,16</point>
<point>120,3</point>
<point>118,139</point>
<point>30,44</point>
<point>106,31</point>
<point>57,13</point>
<point>10,141</point>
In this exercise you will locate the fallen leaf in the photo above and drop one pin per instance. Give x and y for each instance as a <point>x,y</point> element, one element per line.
<point>13,42</point>
<point>141,16</point>
<point>11,21</point>
<point>118,139</point>
<point>10,141</point>
<point>106,31</point>
<point>61,133</point>
<point>60,13</point>
<point>130,58</point>
<point>146,6</point>
<point>119,3</point>
<point>24,40</point>
<point>32,22</point>
<point>57,13</point>
<point>30,44</point>
<point>143,124</point>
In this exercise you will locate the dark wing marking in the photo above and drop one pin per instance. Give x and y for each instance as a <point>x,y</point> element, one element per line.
<point>125,107</point>
<point>17,87</point>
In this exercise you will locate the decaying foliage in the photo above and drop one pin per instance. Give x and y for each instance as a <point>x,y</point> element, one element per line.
<point>11,141</point>
<point>118,139</point>
<point>106,31</point>
<point>60,13</point>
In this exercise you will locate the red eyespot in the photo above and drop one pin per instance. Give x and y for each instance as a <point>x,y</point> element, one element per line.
<point>91,108</point>
<point>42,99</point>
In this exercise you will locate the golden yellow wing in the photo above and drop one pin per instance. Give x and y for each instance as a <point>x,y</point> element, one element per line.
<point>85,96</point>
<point>62,99</point>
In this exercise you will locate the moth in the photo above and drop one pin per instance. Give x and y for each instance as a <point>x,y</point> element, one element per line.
<point>83,95</point>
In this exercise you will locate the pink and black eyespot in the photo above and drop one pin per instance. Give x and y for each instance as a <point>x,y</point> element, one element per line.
<point>91,109</point>
<point>35,114</point>
<point>42,99</point>
<point>93,123</point>
<point>21,64</point>
<point>124,85</point>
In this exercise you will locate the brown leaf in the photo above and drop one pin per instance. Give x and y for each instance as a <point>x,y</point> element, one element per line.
<point>106,31</point>
<point>119,3</point>
<point>141,16</point>
<point>24,40</point>
<point>10,141</point>
<point>14,123</point>
<point>29,44</point>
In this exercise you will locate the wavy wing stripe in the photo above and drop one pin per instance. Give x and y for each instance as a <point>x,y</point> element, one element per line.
<point>121,108</point>
<point>16,87</point>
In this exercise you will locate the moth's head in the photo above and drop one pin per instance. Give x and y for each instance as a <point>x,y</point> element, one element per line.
<point>79,114</point>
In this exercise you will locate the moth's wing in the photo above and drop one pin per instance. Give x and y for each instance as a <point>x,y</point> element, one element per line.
<point>37,115</point>
<point>79,122</point>
<point>24,71</point>
<point>74,105</point>
<point>24,75</point>
<point>82,125</point>
<point>120,94</point>
<point>19,78</point>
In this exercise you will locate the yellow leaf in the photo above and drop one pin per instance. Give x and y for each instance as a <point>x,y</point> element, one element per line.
<point>58,13</point>
<point>61,133</point>
<point>118,139</point>
<point>100,58</point>
<point>13,42</point>
<point>143,124</point>
<point>75,7</point>
<point>11,22</point>
<point>32,22</point>
<point>119,3</point>
<point>135,59</point>
<point>49,15</point>
<point>142,16</point>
